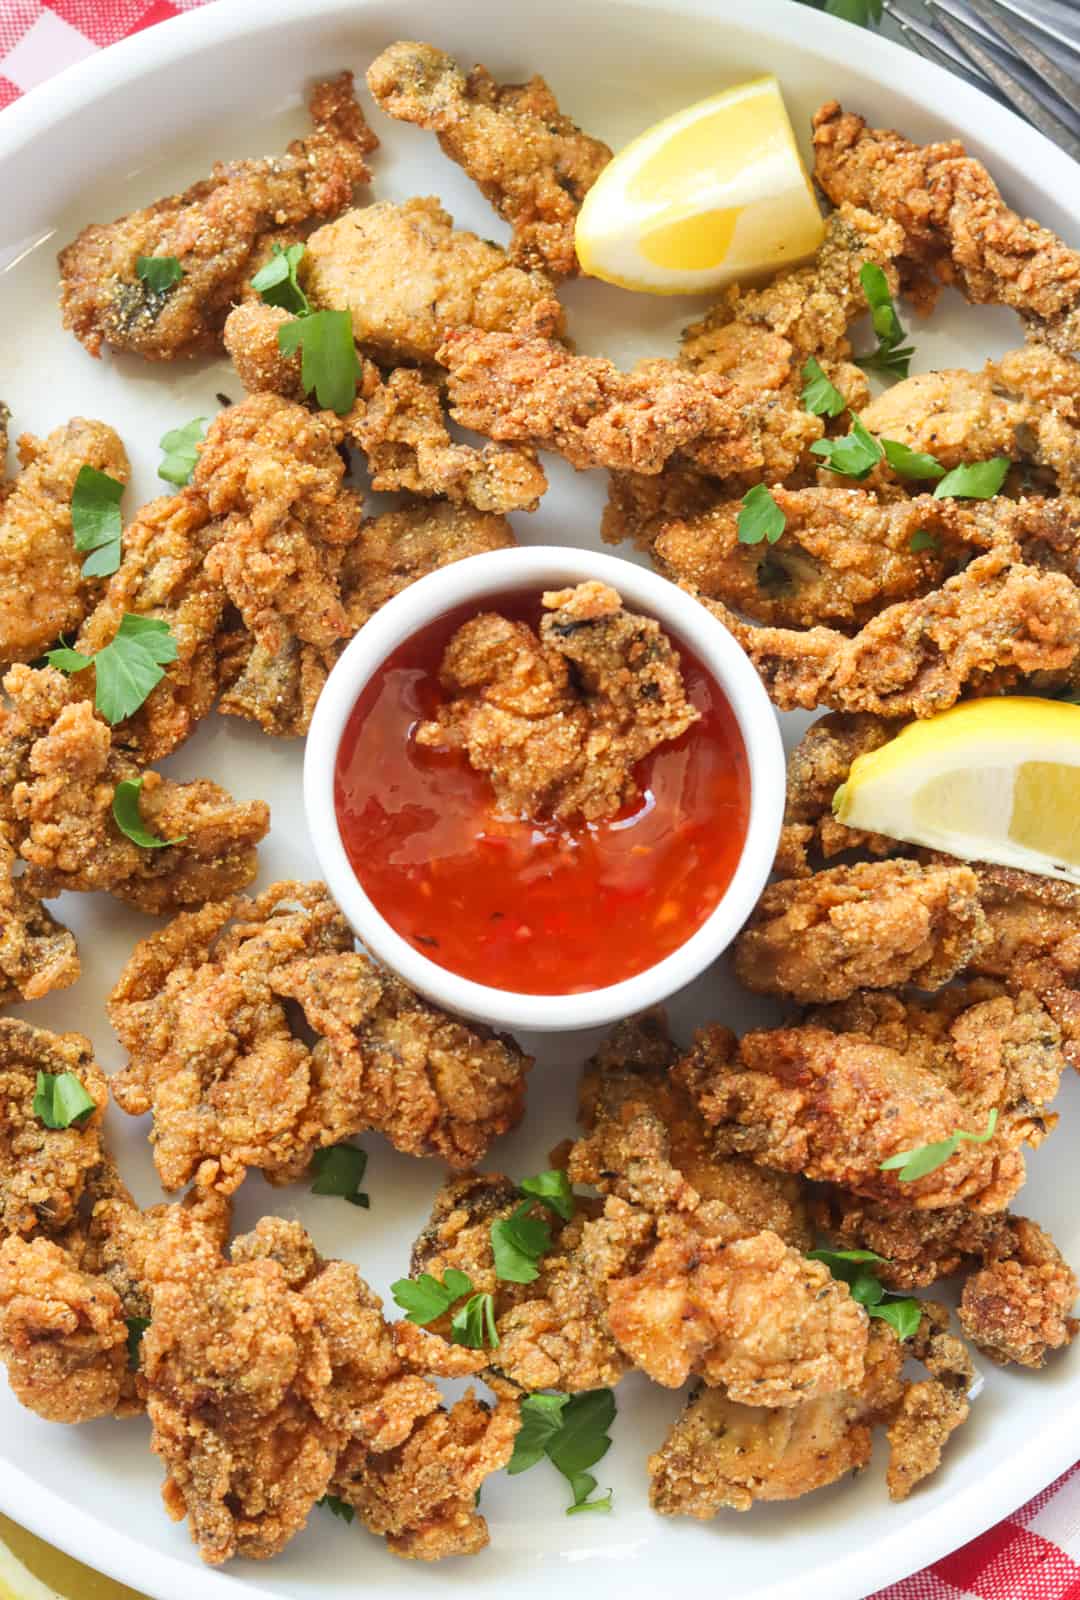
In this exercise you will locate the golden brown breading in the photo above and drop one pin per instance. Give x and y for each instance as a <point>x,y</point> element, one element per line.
<point>161,575</point>
<point>842,557</point>
<point>218,1057</point>
<point>37,953</point>
<point>524,387</point>
<point>917,1247</point>
<point>219,230</point>
<point>683,1281</point>
<point>552,1333</point>
<point>870,926</point>
<point>63,1336</point>
<point>720,1454</point>
<point>44,1171</point>
<point>764,335</point>
<point>816,768</point>
<point>42,591</point>
<point>633,1065</point>
<point>986,629</point>
<point>61,809</point>
<point>402,431</point>
<point>397,547</point>
<point>250,337</point>
<point>408,278</point>
<point>558,722</point>
<point>957,228</point>
<point>270,1373</point>
<point>531,161</point>
<point>875,1076</point>
<point>1016,1308</point>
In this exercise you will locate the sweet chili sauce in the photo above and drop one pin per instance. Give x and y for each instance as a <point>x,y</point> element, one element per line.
<point>549,908</point>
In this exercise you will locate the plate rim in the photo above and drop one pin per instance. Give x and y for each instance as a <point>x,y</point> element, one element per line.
<point>984,1501</point>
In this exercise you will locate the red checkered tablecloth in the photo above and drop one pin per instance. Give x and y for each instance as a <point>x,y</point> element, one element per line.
<point>1032,1555</point>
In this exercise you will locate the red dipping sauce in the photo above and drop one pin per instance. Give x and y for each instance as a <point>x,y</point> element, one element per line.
<point>545,908</point>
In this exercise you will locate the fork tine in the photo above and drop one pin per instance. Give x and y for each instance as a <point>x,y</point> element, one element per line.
<point>919,38</point>
<point>967,40</point>
<point>999,18</point>
<point>1057,21</point>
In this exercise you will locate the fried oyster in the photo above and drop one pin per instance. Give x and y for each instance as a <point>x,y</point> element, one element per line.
<point>43,593</point>
<point>863,1081</point>
<point>218,1057</point>
<point>871,926</point>
<point>559,721</point>
<point>62,774</point>
<point>220,231</point>
<point>531,161</point>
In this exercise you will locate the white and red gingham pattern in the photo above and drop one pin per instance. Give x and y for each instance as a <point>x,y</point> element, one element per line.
<point>1032,1555</point>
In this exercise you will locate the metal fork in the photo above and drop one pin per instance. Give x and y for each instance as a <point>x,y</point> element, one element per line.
<point>1025,53</point>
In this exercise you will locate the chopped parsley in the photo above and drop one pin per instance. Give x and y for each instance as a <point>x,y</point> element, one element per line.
<point>60,1099</point>
<point>909,463</point>
<point>923,539</point>
<point>136,1327</point>
<point>339,1508</point>
<point>181,451</point>
<point>276,282</point>
<point>819,396</point>
<point>329,363</point>
<point>892,356</point>
<point>909,1165</point>
<point>518,1241</point>
<point>865,13</point>
<point>339,1171</point>
<point>853,1267</point>
<point>424,1299</point>
<point>473,1323</point>
<point>759,517</point>
<point>976,480</point>
<point>552,1189</point>
<point>159,273</point>
<point>125,810</point>
<point>572,1432</point>
<point>127,668</point>
<point>95,518</point>
<point>855,455</point>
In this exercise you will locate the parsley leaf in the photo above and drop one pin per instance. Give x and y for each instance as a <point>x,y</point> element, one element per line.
<point>901,1312</point>
<point>862,12</point>
<point>136,1327</point>
<point>518,1242</point>
<point>541,1419</point>
<point>820,397</point>
<point>902,1315</point>
<point>976,480</point>
<point>330,364</point>
<point>551,1188</point>
<point>127,668</point>
<point>125,810</point>
<point>759,517</point>
<point>339,1171</point>
<point>855,455</point>
<point>159,272</point>
<point>911,463</point>
<point>60,1099</point>
<point>473,1324</point>
<point>95,517</point>
<point>892,356</point>
<point>179,445</point>
<point>276,282</point>
<point>913,1164</point>
<point>923,539</point>
<point>571,1430</point>
<point>340,1508</point>
<point>424,1299</point>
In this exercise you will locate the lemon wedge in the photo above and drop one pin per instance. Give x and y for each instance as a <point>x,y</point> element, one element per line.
<point>32,1570</point>
<point>993,780</point>
<point>716,192</point>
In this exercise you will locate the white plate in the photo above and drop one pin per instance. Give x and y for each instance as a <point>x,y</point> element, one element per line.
<point>147,116</point>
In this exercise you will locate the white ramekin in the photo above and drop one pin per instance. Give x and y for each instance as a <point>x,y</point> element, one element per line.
<point>547,567</point>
